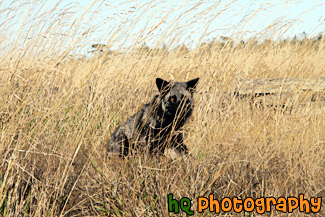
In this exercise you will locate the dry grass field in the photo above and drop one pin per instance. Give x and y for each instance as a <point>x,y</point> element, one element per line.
<point>57,113</point>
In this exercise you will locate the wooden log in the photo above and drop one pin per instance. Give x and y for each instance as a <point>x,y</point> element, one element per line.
<point>271,86</point>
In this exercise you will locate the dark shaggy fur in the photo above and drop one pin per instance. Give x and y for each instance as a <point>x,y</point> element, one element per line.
<point>156,126</point>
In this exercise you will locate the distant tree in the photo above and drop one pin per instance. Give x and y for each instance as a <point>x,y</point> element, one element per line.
<point>144,48</point>
<point>98,48</point>
<point>225,38</point>
<point>182,48</point>
<point>319,37</point>
<point>304,35</point>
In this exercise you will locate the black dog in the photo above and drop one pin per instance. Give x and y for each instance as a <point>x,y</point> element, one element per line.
<point>156,126</point>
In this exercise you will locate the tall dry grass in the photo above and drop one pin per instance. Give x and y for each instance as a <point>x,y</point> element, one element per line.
<point>58,111</point>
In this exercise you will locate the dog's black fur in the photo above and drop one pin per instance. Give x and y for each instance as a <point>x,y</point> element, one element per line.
<point>156,126</point>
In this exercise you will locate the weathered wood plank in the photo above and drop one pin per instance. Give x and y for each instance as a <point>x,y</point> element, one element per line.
<point>272,86</point>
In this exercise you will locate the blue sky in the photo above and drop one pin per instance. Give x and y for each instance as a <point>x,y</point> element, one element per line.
<point>123,23</point>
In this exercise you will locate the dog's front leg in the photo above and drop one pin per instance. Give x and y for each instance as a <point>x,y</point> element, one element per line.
<point>178,143</point>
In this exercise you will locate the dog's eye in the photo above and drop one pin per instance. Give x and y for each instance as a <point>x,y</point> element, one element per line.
<point>172,99</point>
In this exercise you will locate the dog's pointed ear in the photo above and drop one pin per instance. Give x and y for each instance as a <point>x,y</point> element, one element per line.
<point>192,83</point>
<point>161,84</point>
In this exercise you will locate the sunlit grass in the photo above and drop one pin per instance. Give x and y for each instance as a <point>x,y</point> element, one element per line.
<point>57,112</point>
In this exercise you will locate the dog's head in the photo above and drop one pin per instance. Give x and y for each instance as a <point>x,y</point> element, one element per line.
<point>176,97</point>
